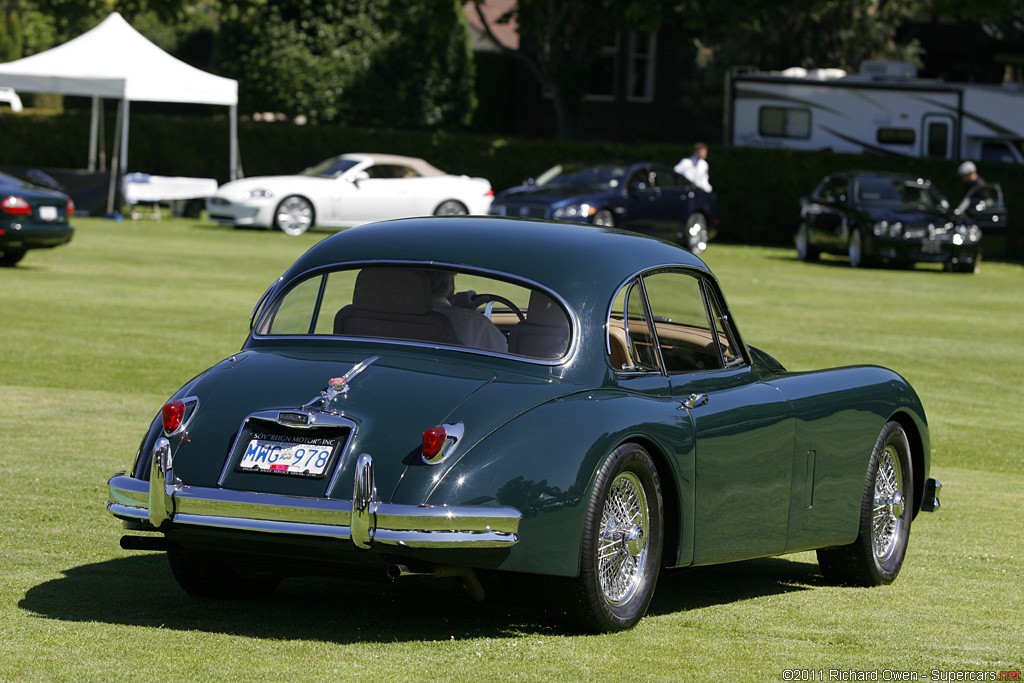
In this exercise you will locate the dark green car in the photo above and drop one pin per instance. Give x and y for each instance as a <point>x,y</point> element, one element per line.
<point>31,218</point>
<point>447,395</point>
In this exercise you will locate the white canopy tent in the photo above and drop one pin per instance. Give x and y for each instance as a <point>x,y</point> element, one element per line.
<point>113,60</point>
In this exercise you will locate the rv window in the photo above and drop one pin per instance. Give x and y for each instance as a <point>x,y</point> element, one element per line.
<point>997,151</point>
<point>781,122</point>
<point>896,136</point>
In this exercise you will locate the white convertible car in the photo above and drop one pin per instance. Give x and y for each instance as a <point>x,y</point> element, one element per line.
<point>348,190</point>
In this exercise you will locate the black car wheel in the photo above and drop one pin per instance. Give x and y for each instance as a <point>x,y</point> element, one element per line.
<point>696,235</point>
<point>204,576</point>
<point>294,215</point>
<point>804,250</point>
<point>622,543</point>
<point>886,510</point>
<point>10,257</point>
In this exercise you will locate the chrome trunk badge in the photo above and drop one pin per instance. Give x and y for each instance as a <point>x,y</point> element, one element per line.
<point>340,386</point>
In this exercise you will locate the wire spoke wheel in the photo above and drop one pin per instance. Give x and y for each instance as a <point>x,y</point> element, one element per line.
<point>887,517</point>
<point>622,550</point>
<point>620,554</point>
<point>887,507</point>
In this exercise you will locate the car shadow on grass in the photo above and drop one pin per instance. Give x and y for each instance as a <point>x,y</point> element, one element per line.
<point>140,591</point>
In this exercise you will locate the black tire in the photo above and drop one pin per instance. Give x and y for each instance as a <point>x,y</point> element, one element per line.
<point>619,561</point>
<point>805,251</point>
<point>294,215</point>
<point>10,257</point>
<point>695,236</point>
<point>886,511</point>
<point>604,217</point>
<point>203,576</point>
<point>451,207</point>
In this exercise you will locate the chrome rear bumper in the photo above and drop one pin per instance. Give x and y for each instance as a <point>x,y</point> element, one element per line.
<point>165,502</point>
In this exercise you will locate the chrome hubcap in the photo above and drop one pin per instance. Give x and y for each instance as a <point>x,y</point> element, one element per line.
<point>887,520</point>
<point>622,548</point>
<point>295,216</point>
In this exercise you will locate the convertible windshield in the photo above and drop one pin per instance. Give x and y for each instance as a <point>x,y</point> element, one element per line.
<point>582,176</point>
<point>424,305</point>
<point>330,168</point>
<point>900,193</point>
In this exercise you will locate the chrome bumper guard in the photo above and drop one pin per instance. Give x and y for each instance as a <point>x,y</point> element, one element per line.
<point>930,497</point>
<point>164,501</point>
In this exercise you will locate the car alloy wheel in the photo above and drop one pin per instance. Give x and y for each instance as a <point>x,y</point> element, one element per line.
<point>696,235</point>
<point>294,215</point>
<point>451,207</point>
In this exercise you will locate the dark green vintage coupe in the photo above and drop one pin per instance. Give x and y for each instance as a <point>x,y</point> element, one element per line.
<point>451,395</point>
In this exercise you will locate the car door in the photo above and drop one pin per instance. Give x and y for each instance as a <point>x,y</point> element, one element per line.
<point>377,192</point>
<point>642,194</point>
<point>744,428</point>
<point>825,213</point>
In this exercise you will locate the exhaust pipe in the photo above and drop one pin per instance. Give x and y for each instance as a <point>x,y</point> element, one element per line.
<point>158,543</point>
<point>469,580</point>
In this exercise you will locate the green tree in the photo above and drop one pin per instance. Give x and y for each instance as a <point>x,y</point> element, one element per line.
<point>378,62</point>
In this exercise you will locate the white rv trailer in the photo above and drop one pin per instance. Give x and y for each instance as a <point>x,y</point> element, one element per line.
<point>883,109</point>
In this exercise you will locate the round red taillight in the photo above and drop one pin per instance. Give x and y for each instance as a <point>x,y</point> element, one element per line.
<point>433,441</point>
<point>16,206</point>
<point>173,414</point>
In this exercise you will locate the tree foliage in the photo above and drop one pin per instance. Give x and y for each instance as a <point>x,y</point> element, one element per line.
<point>379,62</point>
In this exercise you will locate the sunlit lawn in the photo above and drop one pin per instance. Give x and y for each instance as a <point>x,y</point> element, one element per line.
<point>95,336</point>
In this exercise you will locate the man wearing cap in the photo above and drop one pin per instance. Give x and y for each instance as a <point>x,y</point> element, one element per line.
<point>972,182</point>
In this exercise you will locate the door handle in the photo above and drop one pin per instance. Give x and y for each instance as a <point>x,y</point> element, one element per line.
<point>696,400</point>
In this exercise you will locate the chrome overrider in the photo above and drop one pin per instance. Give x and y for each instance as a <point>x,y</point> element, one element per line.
<point>164,501</point>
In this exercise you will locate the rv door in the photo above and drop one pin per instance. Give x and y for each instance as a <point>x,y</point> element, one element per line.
<point>937,136</point>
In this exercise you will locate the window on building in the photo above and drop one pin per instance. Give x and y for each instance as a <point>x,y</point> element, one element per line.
<point>784,122</point>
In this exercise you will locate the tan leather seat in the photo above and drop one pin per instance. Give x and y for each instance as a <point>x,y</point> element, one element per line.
<point>393,303</point>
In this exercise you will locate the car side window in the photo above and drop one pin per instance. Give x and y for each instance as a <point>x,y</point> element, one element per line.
<point>693,332</point>
<point>832,190</point>
<point>631,340</point>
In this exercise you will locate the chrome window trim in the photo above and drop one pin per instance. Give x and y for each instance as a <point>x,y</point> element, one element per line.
<point>279,291</point>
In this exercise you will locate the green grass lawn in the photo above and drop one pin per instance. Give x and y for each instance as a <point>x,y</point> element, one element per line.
<point>97,334</point>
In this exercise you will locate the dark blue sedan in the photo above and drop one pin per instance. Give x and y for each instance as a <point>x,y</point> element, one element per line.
<point>644,197</point>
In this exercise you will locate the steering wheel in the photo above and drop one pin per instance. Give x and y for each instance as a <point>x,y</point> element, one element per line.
<point>491,299</point>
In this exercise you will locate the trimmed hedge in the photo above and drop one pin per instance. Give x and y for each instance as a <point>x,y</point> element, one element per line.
<point>759,189</point>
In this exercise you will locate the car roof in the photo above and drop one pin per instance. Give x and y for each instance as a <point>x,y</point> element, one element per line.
<point>421,166</point>
<point>582,263</point>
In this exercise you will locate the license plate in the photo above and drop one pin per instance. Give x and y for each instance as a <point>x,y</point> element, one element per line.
<point>930,247</point>
<point>48,213</point>
<point>305,458</point>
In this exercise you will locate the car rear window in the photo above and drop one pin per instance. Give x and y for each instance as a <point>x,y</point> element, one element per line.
<point>423,305</point>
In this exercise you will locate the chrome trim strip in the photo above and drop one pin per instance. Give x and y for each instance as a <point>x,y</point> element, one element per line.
<point>165,501</point>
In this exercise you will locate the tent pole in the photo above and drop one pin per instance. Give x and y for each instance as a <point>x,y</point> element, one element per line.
<point>112,187</point>
<point>124,135</point>
<point>233,118</point>
<point>94,126</point>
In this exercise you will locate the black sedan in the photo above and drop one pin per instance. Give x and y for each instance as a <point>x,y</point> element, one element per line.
<point>874,217</point>
<point>31,218</point>
<point>644,197</point>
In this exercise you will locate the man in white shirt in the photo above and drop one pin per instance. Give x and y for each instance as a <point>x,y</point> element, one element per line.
<point>695,168</point>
